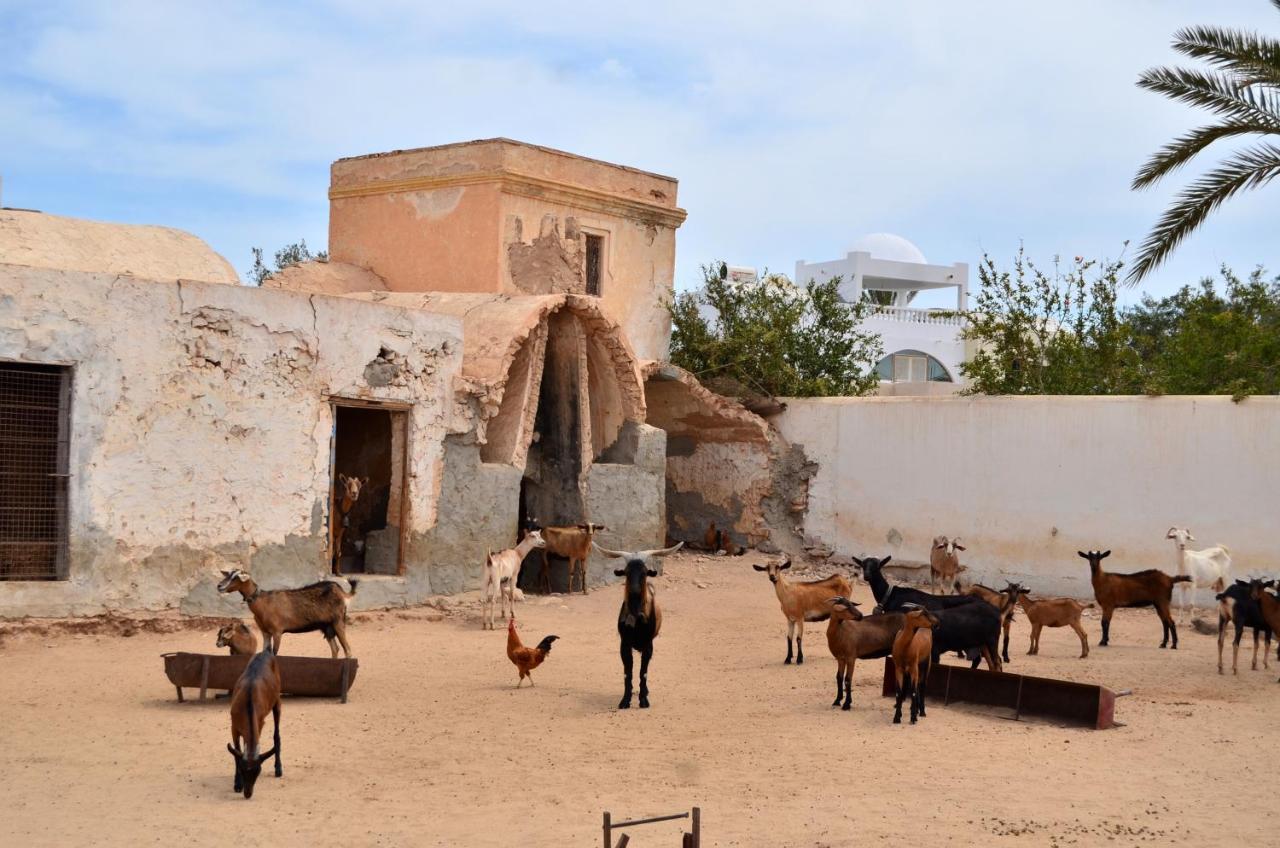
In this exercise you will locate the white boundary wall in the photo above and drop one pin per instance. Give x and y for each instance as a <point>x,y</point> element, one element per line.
<point>1028,481</point>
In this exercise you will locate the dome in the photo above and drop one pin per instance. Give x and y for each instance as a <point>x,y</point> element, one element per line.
<point>888,246</point>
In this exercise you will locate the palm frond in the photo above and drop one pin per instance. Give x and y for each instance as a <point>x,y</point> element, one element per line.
<point>1217,92</point>
<point>1182,150</point>
<point>1249,168</point>
<point>1253,57</point>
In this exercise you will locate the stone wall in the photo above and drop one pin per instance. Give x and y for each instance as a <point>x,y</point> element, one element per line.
<point>200,428</point>
<point>1028,481</point>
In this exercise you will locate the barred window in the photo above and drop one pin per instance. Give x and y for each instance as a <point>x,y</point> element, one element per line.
<point>34,439</point>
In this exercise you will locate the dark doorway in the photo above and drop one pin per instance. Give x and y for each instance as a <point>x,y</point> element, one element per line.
<point>550,491</point>
<point>369,446</point>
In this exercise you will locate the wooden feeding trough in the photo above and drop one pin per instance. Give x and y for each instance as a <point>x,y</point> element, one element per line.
<point>1081,704</point>
<point>314,676</point>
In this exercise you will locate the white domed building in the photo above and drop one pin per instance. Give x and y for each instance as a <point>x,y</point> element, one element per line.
<point>923,348</point>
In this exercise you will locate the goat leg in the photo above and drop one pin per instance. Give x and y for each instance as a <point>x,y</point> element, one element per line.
<point>848,687</point>
<point>275,715</point>
<point>791,632</point>
<point>625,703</point>
<point>1106,629</point>
<point>1008,626</point>
<point>839,683</point>
<point>800,643</point>
<point>645,656</point>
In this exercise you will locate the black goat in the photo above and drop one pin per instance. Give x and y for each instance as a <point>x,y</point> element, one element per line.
<point>1238,606</point>
<point>897,598</point>
<point>639,618</point>
<point>971,629</point>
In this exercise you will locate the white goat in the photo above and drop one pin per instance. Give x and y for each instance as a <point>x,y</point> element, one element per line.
<point>1208,569</point>
<point>944,563</point>
<point>500,573</point>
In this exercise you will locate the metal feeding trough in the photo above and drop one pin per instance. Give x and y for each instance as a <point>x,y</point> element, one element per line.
<point>1080,704</point>
<point>315,676</point>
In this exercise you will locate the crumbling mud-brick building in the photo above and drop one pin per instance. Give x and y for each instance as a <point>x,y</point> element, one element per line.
<point>483,347</point>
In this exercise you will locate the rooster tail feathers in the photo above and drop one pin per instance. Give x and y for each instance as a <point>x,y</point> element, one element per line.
<point>545,644</point>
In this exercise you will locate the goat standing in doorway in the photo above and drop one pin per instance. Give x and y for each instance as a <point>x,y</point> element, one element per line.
<point>345,495</point>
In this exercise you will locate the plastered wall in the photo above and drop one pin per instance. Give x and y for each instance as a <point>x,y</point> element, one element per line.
<point>200,427</point>
<point>1029,481</point>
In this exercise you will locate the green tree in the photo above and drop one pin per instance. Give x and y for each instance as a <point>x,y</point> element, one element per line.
<point>1200,341</point>
<point>290,254</point>
<point>1053,333</point>
<point>1241,88</point>
<point>772,338</point>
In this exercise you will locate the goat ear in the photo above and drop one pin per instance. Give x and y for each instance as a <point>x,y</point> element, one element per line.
<point>785,565</point>
<point>959,547</point>
<point>1082,554</point>
<point>364,481</point>
<point>619,572</point>
<point>266,756</point>
<point>759,567</point>
<point>1104,554</point>
<point>233,751</point>
<point>885,561</point>
<point>856,561</point>
<point>651,572</point>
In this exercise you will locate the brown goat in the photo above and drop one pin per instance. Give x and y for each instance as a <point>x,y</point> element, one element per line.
<point>944,564</point>
<point>1000,601</point>
<point>571,542</point>
<point>321,606</point>
<point>345,495</point>
<point>803,602</point>
<point>1140,589</point>
<point>238,637</point>
<point>851,636</point>
<point>256,692</point>
<point>912,658</point>
<point>1054,612</point>
<point>711,538</point>
<point>1269,606</point>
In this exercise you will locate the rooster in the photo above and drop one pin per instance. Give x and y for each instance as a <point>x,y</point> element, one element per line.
<point>526,659</point>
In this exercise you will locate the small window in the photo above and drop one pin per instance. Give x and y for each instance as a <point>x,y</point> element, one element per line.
<point>595,263</point>
<point>34,437</point>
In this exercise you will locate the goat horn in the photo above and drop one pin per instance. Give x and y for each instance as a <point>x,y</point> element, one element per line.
<point>660,552</point>
<point>615,554</point>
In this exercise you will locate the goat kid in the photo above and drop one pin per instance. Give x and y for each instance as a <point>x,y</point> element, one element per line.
<point>851,636</point>
<point>912,653</point>
<point>1209,568</point>
<point>1150,588</point>
<point>639,617</point>
<point>501,570</point>
<point>321,606</point>
<point>256,692</point>
<point>1052,612</point>
<point>238,638</point>
<point>802,602</point>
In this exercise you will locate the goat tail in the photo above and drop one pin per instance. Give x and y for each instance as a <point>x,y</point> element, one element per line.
<point>1182,578</point>
<point>354,584</point>
<point>1089,605</point>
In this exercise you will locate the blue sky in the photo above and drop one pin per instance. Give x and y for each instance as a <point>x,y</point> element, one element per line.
<point>793,128</point>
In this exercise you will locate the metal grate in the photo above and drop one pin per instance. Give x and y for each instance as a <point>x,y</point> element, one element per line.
<point>34,434</point>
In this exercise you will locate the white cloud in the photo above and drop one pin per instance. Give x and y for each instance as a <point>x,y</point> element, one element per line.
<point>793,127</point>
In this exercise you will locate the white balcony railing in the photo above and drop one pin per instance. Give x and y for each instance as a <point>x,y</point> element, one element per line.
<point>918,316</point>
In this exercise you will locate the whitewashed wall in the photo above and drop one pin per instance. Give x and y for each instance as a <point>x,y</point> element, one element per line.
<point>200,427</point>
<point>1029,481</point>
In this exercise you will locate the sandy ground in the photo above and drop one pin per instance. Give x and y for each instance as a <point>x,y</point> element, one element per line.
<point>437,747</point>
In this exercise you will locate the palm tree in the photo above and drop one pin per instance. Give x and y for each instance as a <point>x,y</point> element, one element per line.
<point>1241,88</point>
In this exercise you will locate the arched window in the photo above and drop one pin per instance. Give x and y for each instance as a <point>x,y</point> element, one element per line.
<point>912,366</point>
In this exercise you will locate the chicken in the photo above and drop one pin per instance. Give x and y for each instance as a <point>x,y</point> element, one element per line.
<point>526,659</point>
